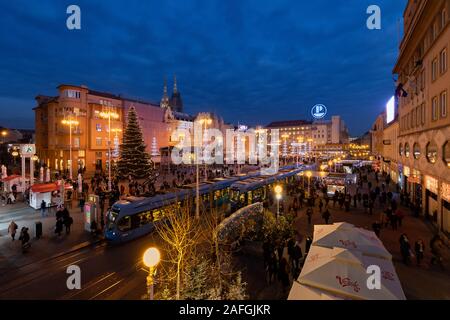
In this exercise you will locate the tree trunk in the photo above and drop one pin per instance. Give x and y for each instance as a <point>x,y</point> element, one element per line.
<point>180,257</point>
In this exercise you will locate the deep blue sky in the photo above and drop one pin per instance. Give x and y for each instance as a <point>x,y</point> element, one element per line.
<point>250,61</point>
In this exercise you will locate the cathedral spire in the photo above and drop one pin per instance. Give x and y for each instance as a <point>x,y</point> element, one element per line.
<point>165,99</point>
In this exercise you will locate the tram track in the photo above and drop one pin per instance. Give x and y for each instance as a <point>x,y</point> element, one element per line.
<point>43,269</point>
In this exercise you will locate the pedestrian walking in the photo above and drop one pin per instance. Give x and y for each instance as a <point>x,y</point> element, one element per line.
<point>308,242</point>
<point>376,227</point>
<point>59,226</point>
<point>326,216</point>
<point>405,248</point>
<point>43,208</point>
<point>394,220</point>
<point>25,238</point>
<point>297,255</point>
<point>419,249</point>
<point>12,229</point>
<point>400,215</point>
<point>67,221</point>
<point>309,213</point>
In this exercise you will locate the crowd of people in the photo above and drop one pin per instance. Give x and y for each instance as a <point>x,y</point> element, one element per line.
<point>375,194</point>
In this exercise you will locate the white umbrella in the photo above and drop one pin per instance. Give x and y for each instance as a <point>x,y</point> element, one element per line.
<point>80,183</point>
<point>41,174</point>
<point>47,176</point>
<point>344,272</point>
<point>303,292</point>
<point>345,235</point>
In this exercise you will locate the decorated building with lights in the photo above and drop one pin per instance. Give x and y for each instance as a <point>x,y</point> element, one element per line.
<point>86,112</point>
<point>423,86</point>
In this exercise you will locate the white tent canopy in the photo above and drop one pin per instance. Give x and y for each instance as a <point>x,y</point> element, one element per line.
<point>345,235</point>
<point>302,292</point>
<point>342,272</point>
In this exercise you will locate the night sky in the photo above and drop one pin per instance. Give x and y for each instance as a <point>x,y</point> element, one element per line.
<point>251,62</point>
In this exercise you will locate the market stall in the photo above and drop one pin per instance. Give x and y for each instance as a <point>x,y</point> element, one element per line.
<point>14,181</point>
<point>49,192</point>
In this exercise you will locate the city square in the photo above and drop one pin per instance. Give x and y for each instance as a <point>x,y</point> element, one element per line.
<point>232,166</point>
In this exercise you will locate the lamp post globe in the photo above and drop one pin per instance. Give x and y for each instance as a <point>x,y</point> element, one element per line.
<point>151,257</point>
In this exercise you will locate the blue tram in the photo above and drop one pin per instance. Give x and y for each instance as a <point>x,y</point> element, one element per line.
<point>134,217</point>
<point>257,189</point>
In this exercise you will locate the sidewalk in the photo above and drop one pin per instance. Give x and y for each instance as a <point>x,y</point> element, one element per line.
<point>11,255</point>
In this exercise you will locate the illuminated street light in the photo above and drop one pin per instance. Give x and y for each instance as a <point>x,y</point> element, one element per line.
<point>4,134</point>
<point>278,190</point>
<point>70,123</point>
<point>108,115</point>
<point>151,259</point>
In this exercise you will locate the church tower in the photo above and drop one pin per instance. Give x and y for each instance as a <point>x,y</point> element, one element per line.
<point>165,99</point>
<point>175,101</point>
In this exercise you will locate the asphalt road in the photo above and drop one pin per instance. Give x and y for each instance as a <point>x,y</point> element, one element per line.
<point>107,272</point>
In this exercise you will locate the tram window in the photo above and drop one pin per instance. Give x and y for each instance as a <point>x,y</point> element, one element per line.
<point>135,221</point>
<point>156,215</point>
<point>124,224</point>
<point>145,218</point>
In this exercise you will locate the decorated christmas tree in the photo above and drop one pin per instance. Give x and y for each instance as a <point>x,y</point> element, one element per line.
<point>133,160</point>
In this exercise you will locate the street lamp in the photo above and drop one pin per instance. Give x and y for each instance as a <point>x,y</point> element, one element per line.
<point>108,115</point>
<point>151,259</point>
<point>70,123</point>
<point>4,134</point>
<point>278,190</point>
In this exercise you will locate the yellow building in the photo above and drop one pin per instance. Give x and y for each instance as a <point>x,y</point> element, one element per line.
<point>95,119</point>
<point>424,123</point>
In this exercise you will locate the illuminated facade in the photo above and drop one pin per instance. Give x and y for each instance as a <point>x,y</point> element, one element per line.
<point>423,87</point>
<point>85,109</point>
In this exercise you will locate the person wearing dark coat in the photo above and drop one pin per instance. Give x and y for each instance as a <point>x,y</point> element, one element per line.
<point>376,227</point>
<point>405,248</point>
<point>309,213</point>
<point>308,243</point>
<point>67,220</point>
<point>326,216</point>
<point>419,249</point>
<point>297,255</point>
<point>59,226</point>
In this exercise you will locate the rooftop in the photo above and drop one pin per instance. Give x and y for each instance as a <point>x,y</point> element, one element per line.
<point>288,123</point>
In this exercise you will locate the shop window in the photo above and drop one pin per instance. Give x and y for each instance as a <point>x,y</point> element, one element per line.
<point>400,149</point>
<point>416,151</point>
<point>431,150</point>
<point>407,150</point>
<point>446,153</point>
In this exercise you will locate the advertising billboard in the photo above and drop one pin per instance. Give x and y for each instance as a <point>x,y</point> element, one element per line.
<point>390,110</point>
